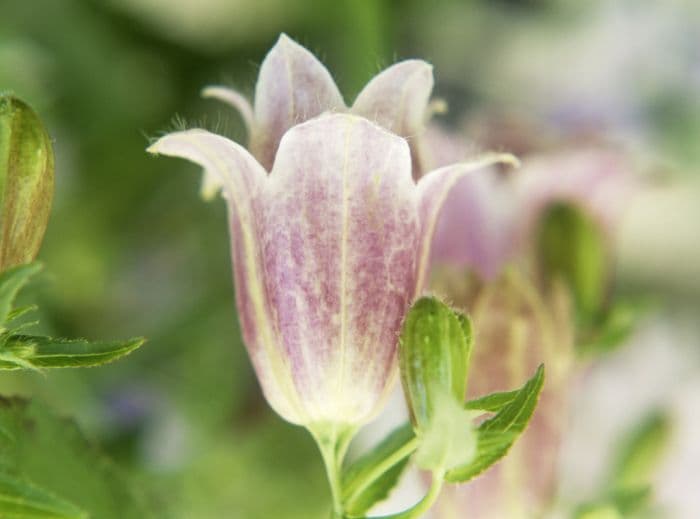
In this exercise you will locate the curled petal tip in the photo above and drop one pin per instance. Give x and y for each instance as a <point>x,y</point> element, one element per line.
<point>437,106</point>
<point>507,159</point>
<point>153,148</point>
<point>232,98</point>
<point>492,158</point>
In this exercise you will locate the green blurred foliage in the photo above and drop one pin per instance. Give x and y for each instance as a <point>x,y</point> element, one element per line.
<point>131,250</point>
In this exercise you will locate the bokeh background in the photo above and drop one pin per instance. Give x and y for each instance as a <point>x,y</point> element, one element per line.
<point>132,250</point>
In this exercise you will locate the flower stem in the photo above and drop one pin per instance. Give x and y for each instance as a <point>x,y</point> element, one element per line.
<point>333,445</point>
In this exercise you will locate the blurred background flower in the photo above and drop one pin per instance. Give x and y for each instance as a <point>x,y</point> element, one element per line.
<point>130,250</point>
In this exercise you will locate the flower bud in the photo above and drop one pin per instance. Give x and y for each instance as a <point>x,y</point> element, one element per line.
<point>26,182</point>
<point>570,246</point>
<point>329,249</point>
<point>434,351</point>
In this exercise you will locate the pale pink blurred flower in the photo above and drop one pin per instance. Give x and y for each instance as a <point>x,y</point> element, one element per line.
<point>488,220</point>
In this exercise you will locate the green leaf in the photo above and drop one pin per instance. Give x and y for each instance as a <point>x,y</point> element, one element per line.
<point>11,282</point>
<point>370,479</point>
<point>496,435</point>
<point>20,499</point>
<point>493,402</point>
<point>19,351</point>
<point>433,356</point>
<point>641,452</point>
<point>448,440</point>
<point>53,454</point>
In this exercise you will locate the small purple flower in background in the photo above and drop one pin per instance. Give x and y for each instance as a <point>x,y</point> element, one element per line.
<point>329,250</point>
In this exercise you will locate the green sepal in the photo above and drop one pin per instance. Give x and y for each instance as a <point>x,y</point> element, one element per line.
<point>434,352</point>
<point>371,477</point>
<point>449,439</point>
<point>20,499</point>
<point>382,466</point>
<point>37,352</point>
<point>496,435</point>
<point>11,282</point>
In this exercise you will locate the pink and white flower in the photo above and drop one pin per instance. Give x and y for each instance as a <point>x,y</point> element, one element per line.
<point>329,250</point>
<point>294,86</point>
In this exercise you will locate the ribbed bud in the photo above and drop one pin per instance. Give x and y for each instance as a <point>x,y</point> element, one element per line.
<point>26,182</point>
<point>434,351</point>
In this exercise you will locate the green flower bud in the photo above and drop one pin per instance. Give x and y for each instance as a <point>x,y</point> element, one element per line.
<point>434,351</point>
<point>26,182</point>
<point>572,247</point>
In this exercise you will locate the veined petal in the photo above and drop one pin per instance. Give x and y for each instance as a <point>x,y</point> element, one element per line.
<point>433,190</point>
<point>244,181</point>
<point>235,99</point>
<point>340,234</point>
<point>293,86</point>
<point>397,98</point>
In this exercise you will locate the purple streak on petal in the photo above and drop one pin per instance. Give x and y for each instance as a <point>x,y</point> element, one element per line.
<point>340,237</point>
<point>293,86</point>
<point>433,191</point>
<point>244,181</point>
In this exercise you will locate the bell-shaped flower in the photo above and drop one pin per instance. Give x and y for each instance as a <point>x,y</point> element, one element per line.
<point>294,86</point>
<point>329,250</point>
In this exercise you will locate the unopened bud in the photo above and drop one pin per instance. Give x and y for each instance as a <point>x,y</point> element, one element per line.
<point>26,182</point>
<point>572,247</point>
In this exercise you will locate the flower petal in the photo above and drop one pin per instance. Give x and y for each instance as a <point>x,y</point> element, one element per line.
<point>477,228</point>
<point>235,99</point>
<point>398,99</point>
<point>433,190</point>
<point>244,181</point>
<point>340,235</point>
<point>293,86</point>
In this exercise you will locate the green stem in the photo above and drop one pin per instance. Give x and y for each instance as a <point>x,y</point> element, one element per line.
<point>334,445</point>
